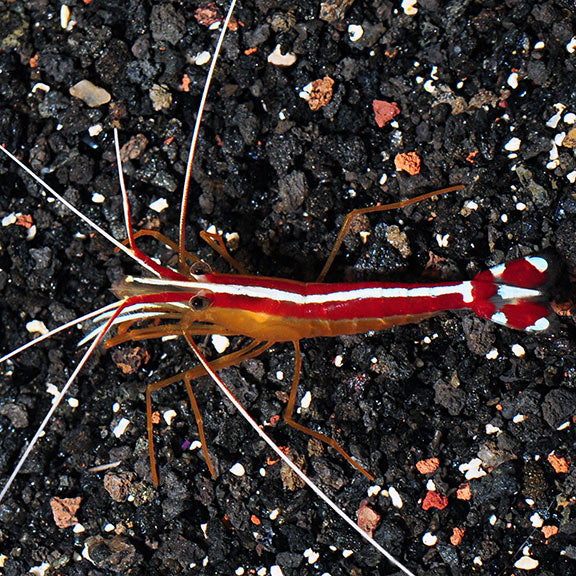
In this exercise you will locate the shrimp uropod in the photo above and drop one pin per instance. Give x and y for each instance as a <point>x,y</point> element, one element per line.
<point>264,136</point>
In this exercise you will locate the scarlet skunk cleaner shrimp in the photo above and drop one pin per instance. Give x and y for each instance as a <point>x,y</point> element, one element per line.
<point>187,297</point>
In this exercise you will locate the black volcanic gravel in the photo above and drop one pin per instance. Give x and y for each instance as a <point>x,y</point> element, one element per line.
<point>468,77</point>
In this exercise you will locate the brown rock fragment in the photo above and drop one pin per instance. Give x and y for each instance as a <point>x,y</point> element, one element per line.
<point>64,511</point>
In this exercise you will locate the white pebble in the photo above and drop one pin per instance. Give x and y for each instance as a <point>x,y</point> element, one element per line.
<point>39,570</point>
<point>52,390</point>
<point>64,16</point>
<point>429,539</point>
<point>355,32</point>
<point>278,59</point>
<point>306,400</point>
<point>490,429</point>
<point>90,94</point>
<point>169,415</point>
<point>492,354</point>
<point>311,556</point>
<point>158,205</point>
<point>442,240</point>
<point>570,118</point>
<point>518,350</point>
<point>374,490</point>
<point>98,198</point>
<point>537,520</point>
<point>539,45</point>
<point>40,86</point>
<point>347,553</point>
<point>120,428</point>
<point>513,144</point>
<point>429,86</point>
<point>36,327</point>
<point>526,563</point>
<point>472,469</point>
<point>520,206</point>
<point>10,219</point>
<point>471,205</point>
<point>275,570</point>
<point>108,527</point>
<point>220,343</point>
<point>409,7</point>
<point>202,58</point>
<point>513,80</point>
<point>238,470</point>
<point>518,418</point>
<point>95,130</point>
<point>559,138</point>
<point>395,497</point>
<point>571,46</point>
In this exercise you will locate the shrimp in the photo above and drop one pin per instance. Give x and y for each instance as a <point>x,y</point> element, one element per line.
<point>213,412</point>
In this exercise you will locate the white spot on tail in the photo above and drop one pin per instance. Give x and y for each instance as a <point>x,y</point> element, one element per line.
<point>541,264</point>
<point>499,318</point>
<point>515,293</point>
<point>497,271</point>
<point>538,326</point>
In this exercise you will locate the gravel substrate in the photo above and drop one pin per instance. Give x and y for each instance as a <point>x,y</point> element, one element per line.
<point>480,93</point>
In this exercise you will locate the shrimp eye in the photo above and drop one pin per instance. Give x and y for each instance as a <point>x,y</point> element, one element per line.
<point>200,303</point>
<point>200,268</point>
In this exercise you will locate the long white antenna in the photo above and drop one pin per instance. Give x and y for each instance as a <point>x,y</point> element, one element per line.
<point>194,140</point>
<point>55,403</point>
<point>77,212</point>
<point>70,324</point>
<point>318,491</point>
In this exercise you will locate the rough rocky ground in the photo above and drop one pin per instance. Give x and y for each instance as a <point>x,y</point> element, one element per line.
<point>468,79</point>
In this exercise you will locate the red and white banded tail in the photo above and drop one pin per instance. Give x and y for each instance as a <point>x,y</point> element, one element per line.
<point>514,294</point>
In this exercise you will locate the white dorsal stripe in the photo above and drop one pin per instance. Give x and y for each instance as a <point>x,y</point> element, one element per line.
<point>463,289</point>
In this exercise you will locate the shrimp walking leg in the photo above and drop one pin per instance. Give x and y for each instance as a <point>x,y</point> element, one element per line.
<point>318,435</point>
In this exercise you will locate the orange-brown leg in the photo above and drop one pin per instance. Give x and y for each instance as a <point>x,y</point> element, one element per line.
<point>216,242</point>
<point>170,243</point>
<point>290,410</point>
<point>252,350</point>
<point>370,210</point>
<point>200,424</point>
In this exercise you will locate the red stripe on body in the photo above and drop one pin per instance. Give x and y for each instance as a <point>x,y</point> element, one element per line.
<point>343,310</point>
